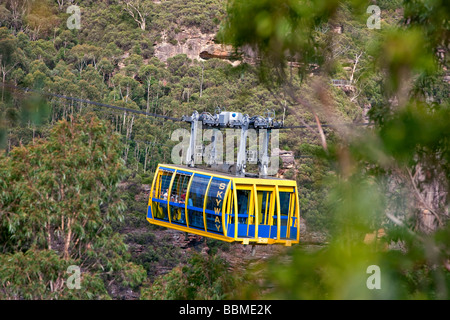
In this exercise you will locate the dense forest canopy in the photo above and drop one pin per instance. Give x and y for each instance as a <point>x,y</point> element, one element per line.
<point>323,65</point>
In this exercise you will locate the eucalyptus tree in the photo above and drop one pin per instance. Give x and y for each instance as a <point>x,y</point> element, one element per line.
<point>58,202</point>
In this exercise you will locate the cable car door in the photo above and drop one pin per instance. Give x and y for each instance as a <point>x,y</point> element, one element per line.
<point>265,212</point>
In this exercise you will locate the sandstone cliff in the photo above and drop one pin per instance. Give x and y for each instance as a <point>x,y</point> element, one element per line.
<point>196,45</point>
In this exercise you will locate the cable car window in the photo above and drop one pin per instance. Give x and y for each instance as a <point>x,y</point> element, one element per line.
<point>164,183</point>
<point>266,203</point>
<point>162,191</point>
<point>294,221</point>
<point>274,212</point>
<point>196,198</point>
<point>263,206</point>
<point>285,198</point>
<point>229,210</point>
<point>243,205</point>
<point>179,188</point>
<point>198,190</point>
<point>178,197</point>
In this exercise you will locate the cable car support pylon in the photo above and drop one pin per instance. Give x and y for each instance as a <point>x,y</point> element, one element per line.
<point>229,119</point>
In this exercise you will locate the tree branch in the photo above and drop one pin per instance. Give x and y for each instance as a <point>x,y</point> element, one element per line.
<point>421,199</point>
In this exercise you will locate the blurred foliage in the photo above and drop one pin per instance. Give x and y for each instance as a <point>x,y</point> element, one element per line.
<point>341,272</point>
<point>404,155</point>
<point>278,30</point>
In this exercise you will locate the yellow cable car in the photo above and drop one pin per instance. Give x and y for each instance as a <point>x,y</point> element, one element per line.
<point>225,207</point>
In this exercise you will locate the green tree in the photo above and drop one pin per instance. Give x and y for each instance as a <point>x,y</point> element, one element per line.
<point>82,55</point>
<point>58,202</point>
<point>139,10</point>
<point>10,53</point>
<point>204,277</point>
<point>42,18</point>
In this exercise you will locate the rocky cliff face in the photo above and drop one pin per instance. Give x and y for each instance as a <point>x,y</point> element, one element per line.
<point>196,45</point>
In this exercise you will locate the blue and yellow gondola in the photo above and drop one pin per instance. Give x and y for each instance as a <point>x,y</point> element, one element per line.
<point>225,207</point>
